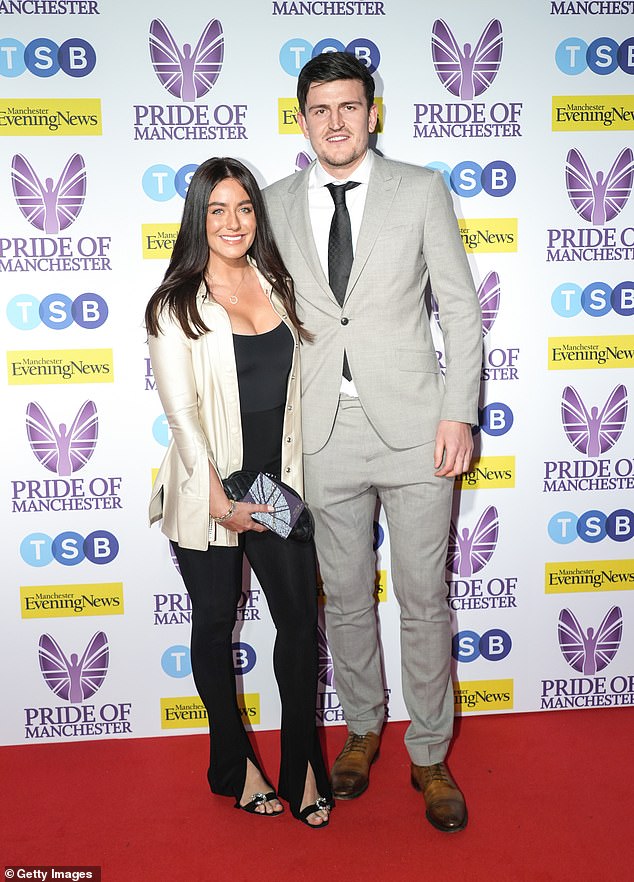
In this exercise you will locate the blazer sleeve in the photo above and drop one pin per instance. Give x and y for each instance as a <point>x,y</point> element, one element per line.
<point>458,306</point>
<point>172,365</point>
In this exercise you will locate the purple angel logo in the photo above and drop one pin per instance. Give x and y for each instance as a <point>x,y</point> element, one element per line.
<point>468,553</point>
<point>62,450</point>
<point>326,672</point>
<point>48,206</point>
<point>302,160</point>
<point>594,432</point>
<point>74,679</point>
<point>599,198</point>
<point>466,73</point>
<point>590,651</point>
<point>489,297</point>
<point>187,74</point>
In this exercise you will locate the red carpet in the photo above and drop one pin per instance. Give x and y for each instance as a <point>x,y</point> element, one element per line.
<point>550,799</point>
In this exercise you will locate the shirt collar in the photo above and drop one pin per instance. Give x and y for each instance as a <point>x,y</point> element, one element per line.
<point>361,174</point>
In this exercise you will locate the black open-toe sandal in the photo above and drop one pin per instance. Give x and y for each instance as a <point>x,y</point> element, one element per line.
<point>259,799</point>
<point>322,803</point>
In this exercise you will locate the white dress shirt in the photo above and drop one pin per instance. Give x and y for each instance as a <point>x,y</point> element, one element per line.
<point>321,209</point>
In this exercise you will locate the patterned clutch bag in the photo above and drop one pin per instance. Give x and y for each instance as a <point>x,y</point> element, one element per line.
<point>292,517</point>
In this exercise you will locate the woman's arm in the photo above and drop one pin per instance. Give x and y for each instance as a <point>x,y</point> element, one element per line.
<point>171,357</point>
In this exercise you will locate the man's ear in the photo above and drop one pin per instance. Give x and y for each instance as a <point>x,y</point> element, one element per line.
<point>373,118</point>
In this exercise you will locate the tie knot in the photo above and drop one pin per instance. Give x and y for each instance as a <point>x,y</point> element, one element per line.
<point>338,191</point>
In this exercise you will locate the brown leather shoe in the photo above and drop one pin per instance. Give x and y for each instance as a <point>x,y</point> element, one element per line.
<point>446,809</point>
<point>351,769</point>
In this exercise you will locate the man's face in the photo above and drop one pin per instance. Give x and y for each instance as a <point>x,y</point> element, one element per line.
<point>337,123</point>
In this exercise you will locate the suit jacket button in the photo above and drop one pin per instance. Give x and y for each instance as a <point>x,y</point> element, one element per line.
<point>344,320</point>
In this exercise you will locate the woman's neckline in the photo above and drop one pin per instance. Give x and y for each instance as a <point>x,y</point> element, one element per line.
<point>261,334</point>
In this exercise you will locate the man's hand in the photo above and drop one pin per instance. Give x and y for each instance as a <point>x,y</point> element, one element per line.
<point>454,448</point>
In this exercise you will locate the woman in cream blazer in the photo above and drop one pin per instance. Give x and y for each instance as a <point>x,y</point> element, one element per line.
<point>224,343</point>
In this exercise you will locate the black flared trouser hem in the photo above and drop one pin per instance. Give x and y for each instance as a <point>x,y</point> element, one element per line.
<point>286,570</point>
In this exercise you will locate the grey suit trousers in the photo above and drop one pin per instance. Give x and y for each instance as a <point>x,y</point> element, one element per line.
<point>342,482</point>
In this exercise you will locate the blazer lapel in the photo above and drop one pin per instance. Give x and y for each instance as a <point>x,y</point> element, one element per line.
<point>296,208</point>
<point>382,188</point>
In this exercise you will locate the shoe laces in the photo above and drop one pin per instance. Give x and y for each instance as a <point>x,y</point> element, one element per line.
<point>437,772</point>
<point>355,743</point>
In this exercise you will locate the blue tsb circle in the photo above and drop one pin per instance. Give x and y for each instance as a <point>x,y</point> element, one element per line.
<point>570,56</point>
<point>603,56</point>
<point>161,430</point>
<point>562,527</point>
<point>68,548</point>
<point>40,56</point>
<point>496,419</point>
<point>158,183</point>
<point>23,312</point>
<point>11,57</point>
<point>176,661</point>
<point>36,550</point>
<point>244,658</point>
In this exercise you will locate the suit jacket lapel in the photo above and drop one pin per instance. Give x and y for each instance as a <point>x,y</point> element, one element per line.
<point>296,208</point>
<point>382,188</point>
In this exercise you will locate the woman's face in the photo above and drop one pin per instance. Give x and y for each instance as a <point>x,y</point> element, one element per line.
<point>231,223</point>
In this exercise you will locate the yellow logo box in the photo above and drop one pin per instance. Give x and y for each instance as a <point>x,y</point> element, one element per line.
<point>59,366</point>
<point>488,235</point>
<point>489,472</point>
<point>590,353</point>
<point>380,586</point>
<point>158,240</point>
<point>49,117</point>
<point>288,108</point>
<point>188,712</point>
<point>576,577</point>
<point>592,113</point>
<point>483,695</point>
<point>62,601</point>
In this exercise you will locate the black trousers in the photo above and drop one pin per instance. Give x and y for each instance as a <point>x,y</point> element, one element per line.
<point>286,570</point>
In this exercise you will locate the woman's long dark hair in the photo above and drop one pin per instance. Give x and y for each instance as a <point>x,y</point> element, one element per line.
<point>190,255</point>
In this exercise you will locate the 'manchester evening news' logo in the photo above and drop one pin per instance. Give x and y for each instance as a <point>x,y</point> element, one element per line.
<point>467,71</point>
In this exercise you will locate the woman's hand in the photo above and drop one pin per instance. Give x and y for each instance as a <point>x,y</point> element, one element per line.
<point>241,520</point>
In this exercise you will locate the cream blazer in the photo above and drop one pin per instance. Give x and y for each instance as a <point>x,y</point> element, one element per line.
<point>197,383</point>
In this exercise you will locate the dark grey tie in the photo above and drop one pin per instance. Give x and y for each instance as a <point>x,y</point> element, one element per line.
<point>340,255</point>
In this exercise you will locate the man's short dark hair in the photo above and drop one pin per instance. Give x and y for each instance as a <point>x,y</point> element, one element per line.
<point>330,66</point>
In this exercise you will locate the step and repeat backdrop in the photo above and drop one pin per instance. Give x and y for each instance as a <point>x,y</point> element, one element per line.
<point>107,108</point>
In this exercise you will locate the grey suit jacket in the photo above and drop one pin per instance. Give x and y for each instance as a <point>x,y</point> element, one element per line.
<point>408,235</point>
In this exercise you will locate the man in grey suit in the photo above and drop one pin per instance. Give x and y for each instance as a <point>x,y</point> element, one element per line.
<point>378,418</point>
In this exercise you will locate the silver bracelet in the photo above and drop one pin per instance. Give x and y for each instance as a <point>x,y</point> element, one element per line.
<point>226,515</point>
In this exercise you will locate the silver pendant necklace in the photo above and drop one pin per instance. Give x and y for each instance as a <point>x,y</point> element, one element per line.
<point>233,298</point>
